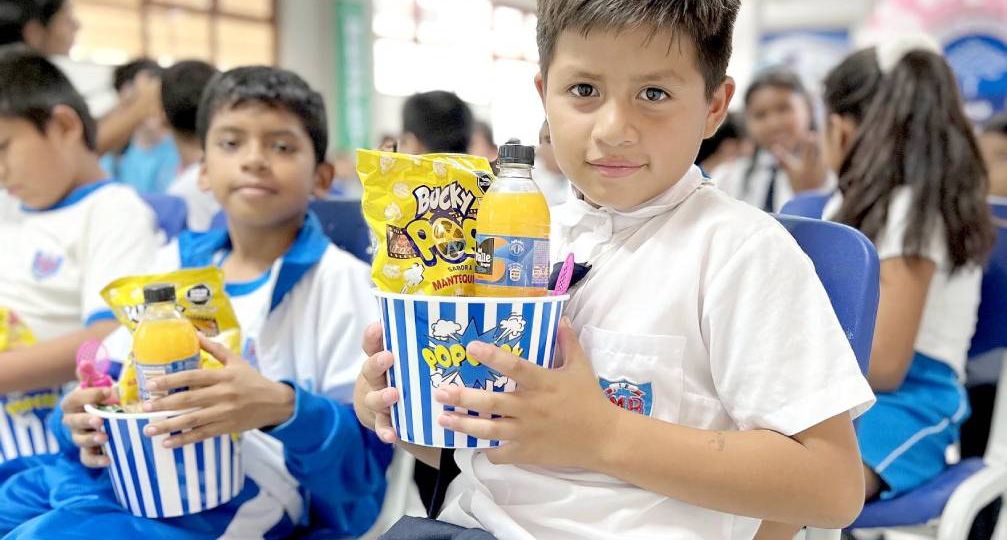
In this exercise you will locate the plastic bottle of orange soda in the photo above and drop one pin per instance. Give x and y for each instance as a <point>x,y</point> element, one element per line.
<point>512,230</point>
<point>164,342</point>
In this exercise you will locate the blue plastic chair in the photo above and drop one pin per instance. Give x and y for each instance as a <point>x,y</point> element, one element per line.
<point>847,264</point>
<point>343,222</point>
<point>946,506</point>
<point>172,213</point>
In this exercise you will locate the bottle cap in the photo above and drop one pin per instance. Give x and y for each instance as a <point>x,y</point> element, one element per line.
<point>158,292</point>
<point>513,152</point>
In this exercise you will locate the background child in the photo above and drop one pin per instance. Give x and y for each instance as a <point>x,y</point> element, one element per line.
<point>780,119</point>
<point>181,89</point>
<point>691,305</point>
<point>66,233</point>
<point>912,180</point>
<point>301,303</point>
<point>436,121</point>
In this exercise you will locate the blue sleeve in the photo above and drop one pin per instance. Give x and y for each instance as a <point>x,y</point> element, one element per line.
<point>62,433</point>
<point>339,462</point>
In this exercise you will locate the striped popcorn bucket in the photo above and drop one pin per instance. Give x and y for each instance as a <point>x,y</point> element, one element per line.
<point>24,430</point>
<point>428,335</point>
<point>156,482</point>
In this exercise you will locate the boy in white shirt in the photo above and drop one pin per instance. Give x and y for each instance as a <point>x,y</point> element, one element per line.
<point>701,307</point>
<point>302,304</point>
<point>65,231</point>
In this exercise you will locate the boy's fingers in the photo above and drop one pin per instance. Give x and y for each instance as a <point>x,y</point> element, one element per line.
<point>74,401</point>
<point>383,428</point>
<point>82,422</point>
<point>93,458</point>
<point>482,401</point>
<point>88,439</point>
<point>198,434</point>
<point>379,401</point>
<point>375,368</point>
<point>181,401</point>
<point>373,343</point>
<point>187,378</point>
<point>522,371</point>
<point>499,429</point>
<point>191,420</point>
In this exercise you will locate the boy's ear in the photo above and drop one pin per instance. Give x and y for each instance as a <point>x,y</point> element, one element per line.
<point>65,125</point>
<point>33,34</point>
<point>204,180</point>
<point>540,86</point>
<point>324,173</point>
<point>719,102</point>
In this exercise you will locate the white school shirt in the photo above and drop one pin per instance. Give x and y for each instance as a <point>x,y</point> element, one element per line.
<point>201,204</point>
<point>952,305</point>
<point>56,262</point>
<point>701,311</point>
<point>731,179</point>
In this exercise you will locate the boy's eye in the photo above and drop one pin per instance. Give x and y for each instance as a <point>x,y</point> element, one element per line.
<point>583,90</point>
<point>227,144</point>
<point>283,147</point>
<point>654,95</point>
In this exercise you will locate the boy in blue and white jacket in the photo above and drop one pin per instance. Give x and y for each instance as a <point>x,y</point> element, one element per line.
<point>301,302</point>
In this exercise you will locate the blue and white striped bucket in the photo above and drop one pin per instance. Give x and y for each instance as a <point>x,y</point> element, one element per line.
<point>157,482</point>
<point>428,335</point>
<point>24,430</point>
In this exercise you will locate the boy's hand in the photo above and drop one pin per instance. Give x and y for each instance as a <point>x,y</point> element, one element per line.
<point>232,399</point>
<point>805,166</point>
<point>557,417</point>
<point>87,430</point>
<point>373,398</point>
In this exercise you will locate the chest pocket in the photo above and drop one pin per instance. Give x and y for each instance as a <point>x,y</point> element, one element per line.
<point>640,373</point>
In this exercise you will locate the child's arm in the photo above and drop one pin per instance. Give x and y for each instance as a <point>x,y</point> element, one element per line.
<point>904,285</point>
<point>560,418</point>
<point>372,399</point>
<point>48,363</point>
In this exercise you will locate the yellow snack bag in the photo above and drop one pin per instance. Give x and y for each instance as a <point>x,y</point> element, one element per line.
<point>202,300</point>
<point>13,331</point>
<point>422,210</point>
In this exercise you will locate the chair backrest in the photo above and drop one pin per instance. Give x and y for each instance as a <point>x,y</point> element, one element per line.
<point>343,222</point>
<point>172,212</point>
<point>991,326</point>
<point>809,205</point>
<point>847,264</point>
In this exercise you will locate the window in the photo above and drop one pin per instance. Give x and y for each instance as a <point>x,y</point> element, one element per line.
<point>486,53</point>
<point>225,32</point>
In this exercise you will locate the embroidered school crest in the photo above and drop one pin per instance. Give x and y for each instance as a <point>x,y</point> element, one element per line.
<point>629,395</point>
<point>45,266</point>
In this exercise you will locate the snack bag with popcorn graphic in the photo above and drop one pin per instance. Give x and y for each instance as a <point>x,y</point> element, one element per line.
<point>422,210</point>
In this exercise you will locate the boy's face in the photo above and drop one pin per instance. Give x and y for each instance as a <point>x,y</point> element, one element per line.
<point>994,149</point>
<point>260,165</point>
<point>627,113</point>
<point>36,168</point>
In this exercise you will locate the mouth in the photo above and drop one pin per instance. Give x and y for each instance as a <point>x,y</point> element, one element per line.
<point>615,168</point>
<point>254,190</point>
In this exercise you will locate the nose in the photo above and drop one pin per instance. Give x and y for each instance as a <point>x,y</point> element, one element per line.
<point>253,159</point>
<point>615,125</point>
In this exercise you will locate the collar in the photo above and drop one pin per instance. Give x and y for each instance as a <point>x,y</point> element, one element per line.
<point>198,249</point>
<point>71,198</point>
<point>587,227</point>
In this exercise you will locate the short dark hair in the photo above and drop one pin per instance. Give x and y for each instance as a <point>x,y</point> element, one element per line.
<point>708,24</point>
<point>48,9</point>
<point>733,128</point>
<point>274,87</point>
<point>440,120</point>
<point>126,73</point>
<point>182,88</point>
<point>997,125</point>
<point>31,86</point>
<point>14,16</point>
